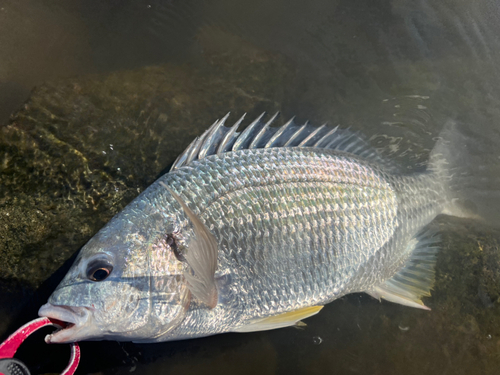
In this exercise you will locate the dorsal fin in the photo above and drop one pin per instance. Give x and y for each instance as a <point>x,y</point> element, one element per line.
<point>219,139</point>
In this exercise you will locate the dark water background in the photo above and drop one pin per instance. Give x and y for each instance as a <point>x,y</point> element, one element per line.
<point>97,98</point>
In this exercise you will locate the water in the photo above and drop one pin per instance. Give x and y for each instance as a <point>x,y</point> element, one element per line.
<point>122,87</point>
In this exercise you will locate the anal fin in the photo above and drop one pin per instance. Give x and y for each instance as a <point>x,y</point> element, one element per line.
<point>287,319</point>
<point>416,279</point>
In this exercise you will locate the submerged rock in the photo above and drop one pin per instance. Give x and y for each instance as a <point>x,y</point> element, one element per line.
<point>80,149</point>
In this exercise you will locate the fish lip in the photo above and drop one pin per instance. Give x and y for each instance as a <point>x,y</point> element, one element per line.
<point>78,319</point>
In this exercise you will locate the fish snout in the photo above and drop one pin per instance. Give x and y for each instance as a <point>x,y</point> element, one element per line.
<point>77,319</point>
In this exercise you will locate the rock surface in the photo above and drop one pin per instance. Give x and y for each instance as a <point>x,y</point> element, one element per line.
<point>81,149</point>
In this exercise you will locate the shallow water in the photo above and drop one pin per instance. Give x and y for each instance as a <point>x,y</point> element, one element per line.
<point>116,90</point>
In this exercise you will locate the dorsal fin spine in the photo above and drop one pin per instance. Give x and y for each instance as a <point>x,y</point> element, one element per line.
<point>346,141</point>
<point>229,136</point>
<point>181,158</point>
<point>263,131</point>
<point>208,141</point>
<point>194,151</point>
<point>184,157</point>
<point>280,131</point>
<point>311,136</point>
<point>219,139</point>
<point>297,133</point>
<point>351,146</point>
<point>246,133</point>
<point>318,143</point>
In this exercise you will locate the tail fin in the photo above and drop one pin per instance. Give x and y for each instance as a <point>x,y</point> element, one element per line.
<point>470,169</point>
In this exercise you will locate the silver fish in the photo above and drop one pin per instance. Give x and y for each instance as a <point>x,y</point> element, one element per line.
<point>253,231</point>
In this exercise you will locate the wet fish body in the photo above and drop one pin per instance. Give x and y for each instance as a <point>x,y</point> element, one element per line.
<point>255,231</point>
<point>300,227</point>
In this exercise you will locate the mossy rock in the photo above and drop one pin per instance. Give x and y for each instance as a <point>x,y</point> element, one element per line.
<point>80,149</point>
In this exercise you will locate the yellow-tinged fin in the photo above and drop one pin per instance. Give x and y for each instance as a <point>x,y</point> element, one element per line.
<point>416,279</point>
<point>287,319</point>
<point>393,296</point>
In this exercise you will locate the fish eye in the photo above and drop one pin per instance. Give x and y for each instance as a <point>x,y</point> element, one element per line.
<point>99,271</point>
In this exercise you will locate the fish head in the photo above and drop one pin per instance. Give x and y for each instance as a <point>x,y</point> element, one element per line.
<point>126,283</point>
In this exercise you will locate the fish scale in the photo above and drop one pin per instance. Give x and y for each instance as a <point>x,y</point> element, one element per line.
<point>253,231</point>
<point>344,191</point>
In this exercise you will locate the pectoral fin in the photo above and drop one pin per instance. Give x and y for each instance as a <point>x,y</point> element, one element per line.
<point>201,258</point>
<point>287,319</point>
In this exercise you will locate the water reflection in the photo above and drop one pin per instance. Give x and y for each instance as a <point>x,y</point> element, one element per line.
<point>147,77</point>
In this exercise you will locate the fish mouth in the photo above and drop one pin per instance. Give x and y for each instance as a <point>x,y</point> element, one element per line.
<point>77,323</point>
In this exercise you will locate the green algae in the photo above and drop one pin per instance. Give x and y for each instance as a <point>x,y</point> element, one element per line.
<point>80,149</point>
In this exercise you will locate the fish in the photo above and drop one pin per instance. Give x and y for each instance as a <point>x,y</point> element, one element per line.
<point>257,230</point>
